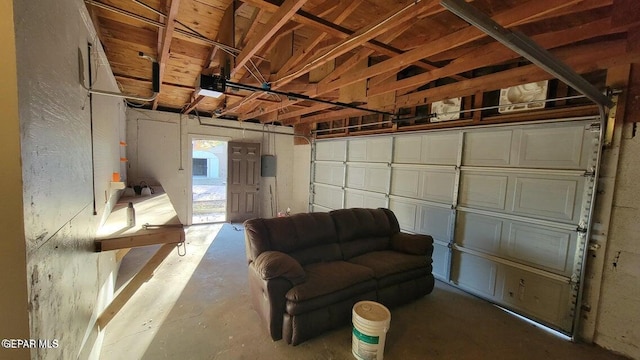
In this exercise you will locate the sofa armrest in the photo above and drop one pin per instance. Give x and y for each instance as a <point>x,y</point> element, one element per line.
<point>274,264</point>
<point>415,244</point>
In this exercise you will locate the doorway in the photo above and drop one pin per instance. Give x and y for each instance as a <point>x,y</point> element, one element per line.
<point>208,180</point>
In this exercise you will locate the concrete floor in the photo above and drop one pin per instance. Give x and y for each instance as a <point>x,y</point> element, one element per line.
<point>197,306</point>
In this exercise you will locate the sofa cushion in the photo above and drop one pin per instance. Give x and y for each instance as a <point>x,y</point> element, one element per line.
<point>327,283</point>
<point>364,245</point>
<point>415,244</point>
<point>306,237</point>
<point>272,264</point>
<point>389,262</point>
<point>352,224</point>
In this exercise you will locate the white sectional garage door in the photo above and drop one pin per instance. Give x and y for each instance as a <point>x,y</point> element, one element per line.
<point>507,206</point>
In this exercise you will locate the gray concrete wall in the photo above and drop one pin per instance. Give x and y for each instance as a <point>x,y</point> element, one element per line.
<point>68,283</point>
<point>619,309</point>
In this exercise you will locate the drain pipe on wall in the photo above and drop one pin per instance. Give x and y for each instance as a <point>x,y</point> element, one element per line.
<point>93,163</point>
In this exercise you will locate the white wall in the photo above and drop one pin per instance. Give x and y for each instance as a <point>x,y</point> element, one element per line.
<point>68,283</point>
<point>619,309</point>
<point>158,149</point>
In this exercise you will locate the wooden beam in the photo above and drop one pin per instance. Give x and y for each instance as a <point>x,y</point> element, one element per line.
<point>134,284</point>
<point>265,110</point>
<point>332,29</point>
<point>508,18</point>
<point>311,89</point>
<point>297,113</point>
<point>278,19</point>
<point>166,236</point>
<point>626,12</point>
<point>582,59</point>
<point>387,37</point>
<point>226,35</point>
<point>338,16</point>
<point>495,53</point>
<point>241,41</point>
<point>397,16</point>
<point>166,43</point>
<point>332,115</point>
<point>281,52</point>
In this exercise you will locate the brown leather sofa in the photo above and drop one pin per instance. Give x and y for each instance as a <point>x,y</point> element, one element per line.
<point>306,271</point>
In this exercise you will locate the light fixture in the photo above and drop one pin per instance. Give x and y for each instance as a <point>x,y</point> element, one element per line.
<point>527,48</point>
<point>211,86</point>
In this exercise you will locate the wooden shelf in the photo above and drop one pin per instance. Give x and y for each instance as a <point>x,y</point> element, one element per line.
<point>156,211</point>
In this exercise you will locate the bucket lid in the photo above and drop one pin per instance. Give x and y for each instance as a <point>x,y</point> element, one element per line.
<point>371,311</point>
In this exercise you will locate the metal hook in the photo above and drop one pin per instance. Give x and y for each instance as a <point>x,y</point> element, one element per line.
<point>184,247</point>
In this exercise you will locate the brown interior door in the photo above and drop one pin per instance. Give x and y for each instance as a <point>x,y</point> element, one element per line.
<point>243,185</point>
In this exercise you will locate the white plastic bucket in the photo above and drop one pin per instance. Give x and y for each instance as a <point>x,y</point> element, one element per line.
<point>371,322</point>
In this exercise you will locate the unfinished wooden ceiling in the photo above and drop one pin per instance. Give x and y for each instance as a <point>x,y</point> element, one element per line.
<point>392,56</point>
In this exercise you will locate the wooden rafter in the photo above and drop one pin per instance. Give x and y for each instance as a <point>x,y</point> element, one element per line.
<point>429,56</point>
<point>582,59</point>
<point>297,113</point>
<point>395,17</point>
<point>166,43</point>
<point>508,18</point>
<point>278,19</point>
<point>332,115</point>
<point>495,53</point>
<point>338,16</point>
<point>344,67</point>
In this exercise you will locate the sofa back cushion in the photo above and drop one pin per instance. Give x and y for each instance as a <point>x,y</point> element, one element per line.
<point>364,230</point>
<point>308,238</point>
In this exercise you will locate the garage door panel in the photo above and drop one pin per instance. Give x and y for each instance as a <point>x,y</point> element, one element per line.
<point>483,191</point>
<point>475,273</point>
<point>541,247</point>
<point>437,186</point>
<point>554,147</point>
<point>405,182</point>
<point>331,150</point>
<point>370,150</point>
<point>328,197</point>
<point>547,198</point>
<point>426,184</point>
<point>407,149</point>
<point>487,148</point>
<point>440,149</point>
<point>357,150</point>
<point>362,199</point>
<point>525,243</point>
<point>479,232</point>
<point>544,298</point>
<point>356,176</point>
<point>370,178</point>
<point>331,174</point>
<point>406,212</point>
<point>440,261</point>
<point>318,208</point>
<point>435,221</point>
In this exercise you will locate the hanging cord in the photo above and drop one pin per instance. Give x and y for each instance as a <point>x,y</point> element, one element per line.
<point>276,174</point>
